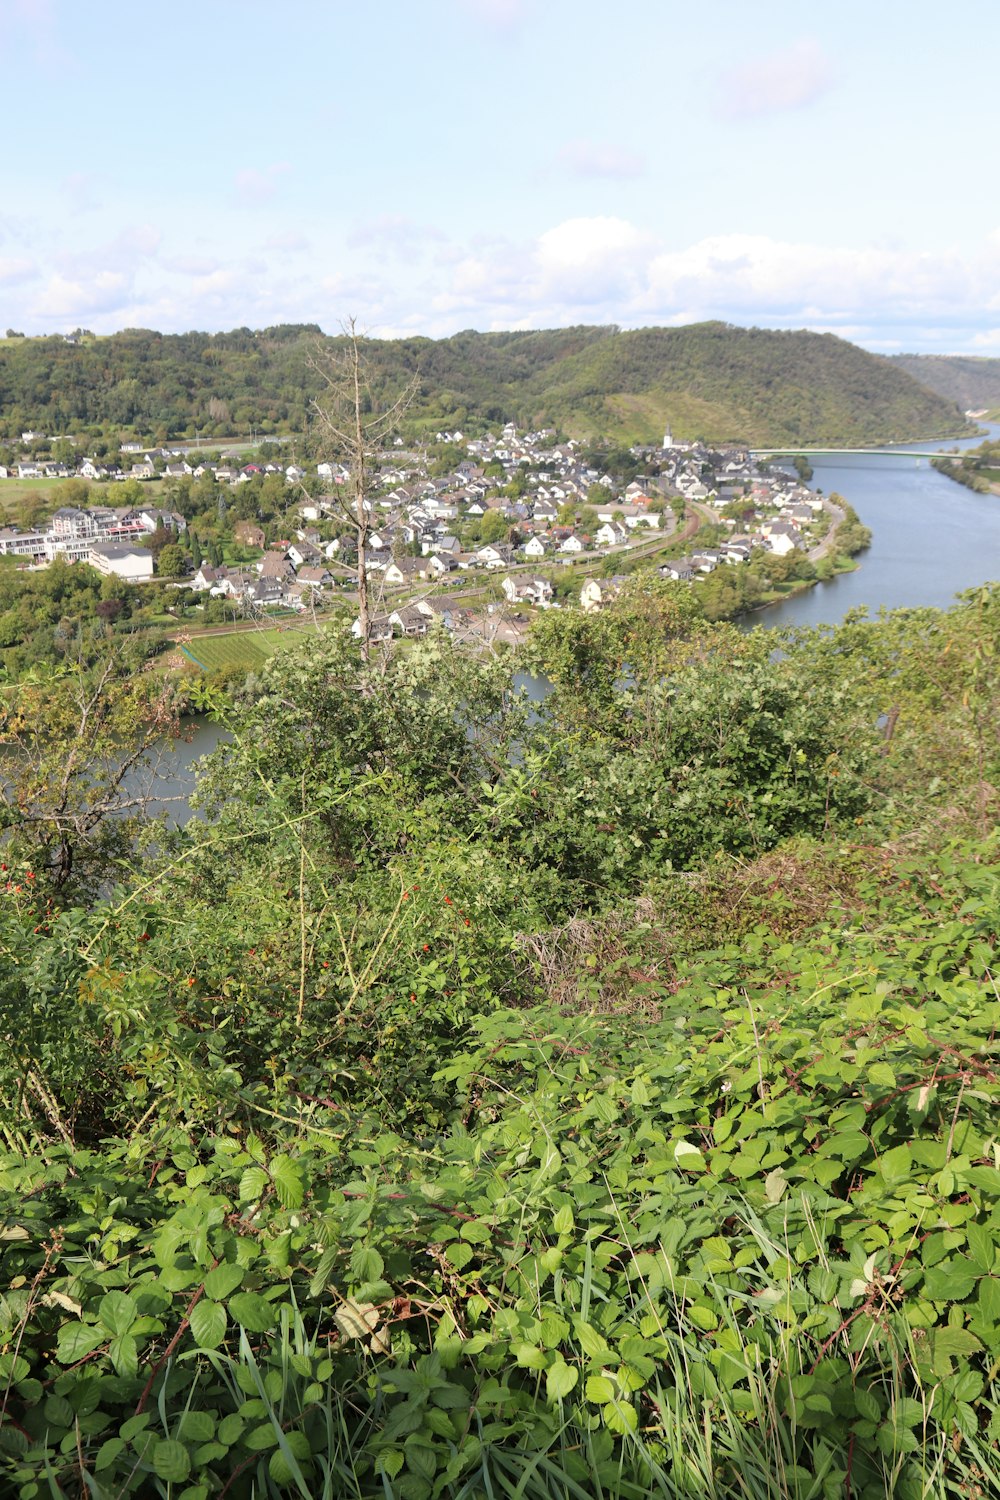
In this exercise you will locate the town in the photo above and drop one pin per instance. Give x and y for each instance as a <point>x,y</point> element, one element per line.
<point>539,515</point>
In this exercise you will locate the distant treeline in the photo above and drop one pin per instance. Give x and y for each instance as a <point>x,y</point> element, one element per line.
<point>708,380</point>
<point>973,383</point>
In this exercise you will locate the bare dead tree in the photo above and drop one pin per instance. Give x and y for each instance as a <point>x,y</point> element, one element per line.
<point>355,431</point>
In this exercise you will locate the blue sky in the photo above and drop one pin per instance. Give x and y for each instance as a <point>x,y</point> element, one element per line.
<point>428,167</point>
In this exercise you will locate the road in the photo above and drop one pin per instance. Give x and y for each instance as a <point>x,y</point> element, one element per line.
<point>837,516</point>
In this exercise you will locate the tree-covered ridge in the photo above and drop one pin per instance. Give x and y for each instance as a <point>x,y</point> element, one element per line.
<point>594,1097</point>
<point>709,380</point>
<point>971,381</point>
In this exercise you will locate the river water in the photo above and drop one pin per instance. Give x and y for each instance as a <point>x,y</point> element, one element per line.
<point>931,536</point>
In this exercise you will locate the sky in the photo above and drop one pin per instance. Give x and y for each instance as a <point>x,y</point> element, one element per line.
<point>493,164</point>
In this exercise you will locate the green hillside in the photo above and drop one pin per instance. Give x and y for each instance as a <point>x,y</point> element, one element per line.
<point>973,383</point>
<point>708,380</point>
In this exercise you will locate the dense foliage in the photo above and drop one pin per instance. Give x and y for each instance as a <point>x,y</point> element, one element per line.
<point>709,380</point>
<point>485,1096</point>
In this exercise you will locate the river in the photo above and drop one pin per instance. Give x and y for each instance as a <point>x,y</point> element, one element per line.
<point>931,536</point>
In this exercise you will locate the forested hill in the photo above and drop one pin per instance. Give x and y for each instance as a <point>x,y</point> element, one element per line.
<point>974,383</point>
<point>708,380</point>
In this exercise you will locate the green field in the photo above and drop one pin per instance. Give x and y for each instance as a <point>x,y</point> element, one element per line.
<point>246,649</point>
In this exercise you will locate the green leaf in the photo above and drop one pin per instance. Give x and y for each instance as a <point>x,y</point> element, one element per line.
<point>988,1297</point>
<point>208,1324</point>
<point>170,1461</point>
<point>593,1344</point>
<point>420,1458</point>
<point>107,1453</point>
<point>620,1417</point>
<point>600,1389</point>
<point>882,1076</point>
<point>905,1412</point>
<point>459,1254</point>
<point>895,1164</point>
<point>124,1354</point>
<point>222,1280</point>
<point>688,1157</point>
<point>253,1183</point>
<point>956,1343</point>
<point>950,1282</point>
<point>230,1429</point>
<point>285,1462</point>
<point>529,1356</point>
<point>867,1404</point>
<point>560,1379</point>
<point>390,1461</point>
<point>117,1311</point>
<point>982,1246</point>
<point>562,1220</point>
<point>77,1340</point>
<point>366,1263</point>
<point>132,1426</point>
<point>261,1438</point>
<point>196,1427</point>
<point>287,1182</point>
<point>58,1411</point>
<point>256,1314</point>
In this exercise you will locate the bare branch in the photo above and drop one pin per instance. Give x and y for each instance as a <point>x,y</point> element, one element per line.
<point>356,441</point>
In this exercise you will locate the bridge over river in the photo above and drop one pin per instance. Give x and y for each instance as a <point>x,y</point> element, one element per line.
<point>832,453</point>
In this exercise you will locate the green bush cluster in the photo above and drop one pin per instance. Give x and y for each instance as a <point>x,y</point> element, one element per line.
<point>479,1097</point>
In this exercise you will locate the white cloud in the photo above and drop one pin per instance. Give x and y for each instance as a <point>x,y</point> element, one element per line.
<point>260,183</point>
<point>796,76</point>
<point>753,272</point>
<point>65,300</point>
<point>601,159</point>
<point>597,269</point>
<point>393,234</point>
<point>191,265</point>
<point>129,248</point>
<point>287,241</point>
<point>81,190</point>
<point>14,272</point>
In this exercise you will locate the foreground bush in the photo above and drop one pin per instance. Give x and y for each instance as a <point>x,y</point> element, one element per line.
<point>751,1248</point>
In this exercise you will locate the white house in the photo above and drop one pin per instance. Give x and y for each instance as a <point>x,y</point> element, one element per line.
<point>528,591</point>
<point>134,564</point>
<point>783,538</point>
<point>596,592</point>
